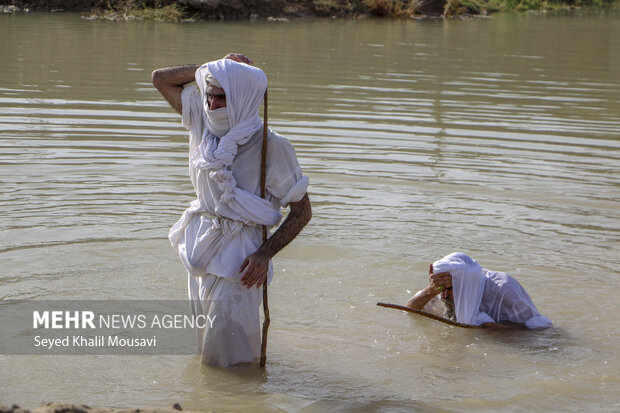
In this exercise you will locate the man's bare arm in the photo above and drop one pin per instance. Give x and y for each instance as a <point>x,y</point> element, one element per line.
<point>170,81</point>
<point>257,264</point>
<point>418,301</point>
<point>436,284</point>
<point>298,217</point>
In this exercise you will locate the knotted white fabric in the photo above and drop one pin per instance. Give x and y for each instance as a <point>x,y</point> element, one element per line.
<point>482,296</point>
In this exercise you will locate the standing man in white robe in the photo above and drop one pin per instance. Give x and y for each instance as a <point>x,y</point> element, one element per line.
<point>219,237</point>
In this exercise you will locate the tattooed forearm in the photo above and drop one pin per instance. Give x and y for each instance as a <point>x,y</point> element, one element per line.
<point>298,217</point>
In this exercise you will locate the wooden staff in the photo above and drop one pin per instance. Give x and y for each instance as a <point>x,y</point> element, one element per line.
<point>429,315</point>
<point>263,175</point>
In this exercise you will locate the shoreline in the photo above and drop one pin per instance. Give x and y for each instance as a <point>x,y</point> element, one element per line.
<point>287,10</point>
<point>59,407</point>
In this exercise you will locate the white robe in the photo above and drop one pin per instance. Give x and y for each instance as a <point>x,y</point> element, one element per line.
<point>222,226</point>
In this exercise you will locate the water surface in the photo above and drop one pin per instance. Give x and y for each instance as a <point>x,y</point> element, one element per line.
<point>496,137</point>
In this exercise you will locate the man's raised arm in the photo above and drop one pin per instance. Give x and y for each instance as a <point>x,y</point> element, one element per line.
<point>170,81</point>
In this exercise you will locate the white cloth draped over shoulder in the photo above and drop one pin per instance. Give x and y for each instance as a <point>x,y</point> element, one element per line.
<point>482,296</point>
<point>222,226</point>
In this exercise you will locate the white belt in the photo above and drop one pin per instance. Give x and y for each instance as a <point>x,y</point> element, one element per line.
<point>229,227</point>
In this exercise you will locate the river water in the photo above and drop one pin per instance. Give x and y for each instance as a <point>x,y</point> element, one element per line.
<point>497,137</point>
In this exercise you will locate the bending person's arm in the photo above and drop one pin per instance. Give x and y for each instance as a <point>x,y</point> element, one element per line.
<point>436,284</point>
<point>421,298</point>
<point>256,265</point>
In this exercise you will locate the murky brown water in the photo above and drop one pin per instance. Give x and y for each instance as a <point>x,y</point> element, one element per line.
<point>496,137</point>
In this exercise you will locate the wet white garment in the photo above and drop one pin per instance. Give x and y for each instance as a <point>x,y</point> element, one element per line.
<point>482,296</point>
<point>233,334</point>
<point>504,299</point>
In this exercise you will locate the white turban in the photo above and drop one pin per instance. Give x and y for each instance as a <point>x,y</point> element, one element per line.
<point>213,80</point>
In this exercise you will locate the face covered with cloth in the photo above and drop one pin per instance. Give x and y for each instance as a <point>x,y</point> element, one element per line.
<point>481,296</point>
<point>232,120</point>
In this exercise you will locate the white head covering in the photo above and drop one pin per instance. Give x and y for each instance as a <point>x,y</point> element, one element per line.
<point>213,80</point>
<point>467,285</point>
<point>245,87</point>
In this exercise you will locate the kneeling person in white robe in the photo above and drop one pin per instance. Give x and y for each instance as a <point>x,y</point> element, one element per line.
<point>219,237</point>
<point>461,290</point>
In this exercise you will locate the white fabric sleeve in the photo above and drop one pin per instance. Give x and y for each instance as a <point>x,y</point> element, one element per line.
<point>192,113</point>
<point>188,104</point>
<point>285,180</point>
<point>297,191</point>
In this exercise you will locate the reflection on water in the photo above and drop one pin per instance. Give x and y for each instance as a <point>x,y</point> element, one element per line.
<point>498,137</point>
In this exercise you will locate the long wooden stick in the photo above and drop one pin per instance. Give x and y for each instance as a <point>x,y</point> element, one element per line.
<point>429,315</point>
<point>263,177</point>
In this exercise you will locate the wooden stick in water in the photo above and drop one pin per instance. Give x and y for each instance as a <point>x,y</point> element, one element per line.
<point>425,314</point>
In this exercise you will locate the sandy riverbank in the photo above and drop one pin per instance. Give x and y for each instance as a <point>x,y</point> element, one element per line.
<point>58,407</point>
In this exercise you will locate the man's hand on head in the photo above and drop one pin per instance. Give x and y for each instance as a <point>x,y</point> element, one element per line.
<point>239,57</point>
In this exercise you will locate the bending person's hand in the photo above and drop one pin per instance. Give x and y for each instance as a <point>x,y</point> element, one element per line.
<point>440,282</point>
<point>256,267</point>
<point>239,57</point>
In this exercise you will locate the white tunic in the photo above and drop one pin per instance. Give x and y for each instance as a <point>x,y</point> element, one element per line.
<point>213,238</point>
